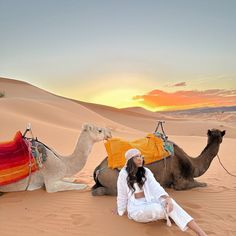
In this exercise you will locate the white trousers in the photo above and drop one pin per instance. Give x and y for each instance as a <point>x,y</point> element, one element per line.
<point>142,211</point>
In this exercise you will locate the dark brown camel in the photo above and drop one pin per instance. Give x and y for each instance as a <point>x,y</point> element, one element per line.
<point>177,171</point>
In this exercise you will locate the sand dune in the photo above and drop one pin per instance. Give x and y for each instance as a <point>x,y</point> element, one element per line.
<point>57,121</point>
<point>189,124</point>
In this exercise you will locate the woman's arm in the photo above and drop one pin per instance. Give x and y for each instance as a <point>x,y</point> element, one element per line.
<point>156,188</point>
<point>160,193</point>
<point>122,195</point>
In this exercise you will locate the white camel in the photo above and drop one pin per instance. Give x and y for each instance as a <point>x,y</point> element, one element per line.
<point>57,167</point>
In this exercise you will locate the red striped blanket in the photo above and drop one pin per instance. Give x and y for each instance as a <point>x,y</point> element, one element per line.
<point>14,160</point>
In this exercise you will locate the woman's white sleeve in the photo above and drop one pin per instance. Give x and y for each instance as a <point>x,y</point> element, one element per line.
<point>122,196</point>
<point>157,189</point>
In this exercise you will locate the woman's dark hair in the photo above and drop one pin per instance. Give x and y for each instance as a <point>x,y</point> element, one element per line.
<point>135,175</point>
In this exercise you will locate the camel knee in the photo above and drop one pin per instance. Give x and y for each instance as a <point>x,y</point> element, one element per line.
<point>182,185</point>
<point>100,191</point>
<point>178,187</point>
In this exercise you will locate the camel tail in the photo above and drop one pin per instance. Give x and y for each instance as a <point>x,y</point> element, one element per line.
<point>97,183</point>
<point>95,176</point>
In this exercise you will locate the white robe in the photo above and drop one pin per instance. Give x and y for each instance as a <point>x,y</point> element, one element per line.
<point>149,208</point>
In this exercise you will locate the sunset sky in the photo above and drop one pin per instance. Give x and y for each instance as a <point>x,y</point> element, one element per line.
<point>160,54</point>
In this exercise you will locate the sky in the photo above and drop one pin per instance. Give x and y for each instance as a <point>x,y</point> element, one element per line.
<point>160,54</point>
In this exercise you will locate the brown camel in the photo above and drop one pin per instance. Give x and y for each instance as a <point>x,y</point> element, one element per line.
<point>177,171</point>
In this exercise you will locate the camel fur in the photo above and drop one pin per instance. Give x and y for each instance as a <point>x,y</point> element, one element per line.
<point>177,171</point>
<point>57,167</point>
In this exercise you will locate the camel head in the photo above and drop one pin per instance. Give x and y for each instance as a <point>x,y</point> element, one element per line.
<point>215,135</point>
<point>97,133</point>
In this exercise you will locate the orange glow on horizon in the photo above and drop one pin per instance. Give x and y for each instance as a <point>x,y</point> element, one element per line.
<point>157,100</point>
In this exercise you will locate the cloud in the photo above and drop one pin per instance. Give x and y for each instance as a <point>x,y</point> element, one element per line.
<point>157,99</point>
<point>180,84</point>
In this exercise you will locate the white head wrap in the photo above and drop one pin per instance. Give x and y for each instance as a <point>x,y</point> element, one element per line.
<point>131,153</point>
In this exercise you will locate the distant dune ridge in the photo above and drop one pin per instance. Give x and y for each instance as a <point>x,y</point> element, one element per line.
<point>57,121</point>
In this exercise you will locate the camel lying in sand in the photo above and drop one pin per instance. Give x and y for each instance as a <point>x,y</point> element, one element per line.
<point>57,167</point>
<point>177,171</point>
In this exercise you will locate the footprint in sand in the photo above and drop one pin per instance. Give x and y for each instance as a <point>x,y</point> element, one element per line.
<point>213,189</point>
<point>230,217</point>
<point>65,209</point>
<point>217,216</point>
<point>53,216</point>
<point>80,220</point>
<point>210,232</point>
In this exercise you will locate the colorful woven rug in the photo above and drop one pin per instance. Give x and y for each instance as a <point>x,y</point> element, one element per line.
<point>14,160</point>
<point>151,148</point>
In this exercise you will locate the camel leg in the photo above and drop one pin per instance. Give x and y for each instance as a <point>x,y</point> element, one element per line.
<point>182,184</point>
<point>100,191</point>
<point>195,184</point>
<point>59,185</point>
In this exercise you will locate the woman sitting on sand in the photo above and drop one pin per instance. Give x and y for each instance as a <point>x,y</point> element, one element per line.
<point>142,197</point>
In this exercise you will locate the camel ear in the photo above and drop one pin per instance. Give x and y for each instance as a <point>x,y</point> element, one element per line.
<point>223,133</point>
<point>209,132</point>
<point>109,132</point>
<point>86,127</point>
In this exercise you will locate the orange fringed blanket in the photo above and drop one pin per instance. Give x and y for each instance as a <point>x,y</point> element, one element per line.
<point>14,160</point>
<point>151,148</point>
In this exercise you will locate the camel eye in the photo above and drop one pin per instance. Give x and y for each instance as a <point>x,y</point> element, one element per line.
<point>100,131</point>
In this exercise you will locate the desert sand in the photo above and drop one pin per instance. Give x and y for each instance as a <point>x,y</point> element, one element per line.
<point>57,122</point>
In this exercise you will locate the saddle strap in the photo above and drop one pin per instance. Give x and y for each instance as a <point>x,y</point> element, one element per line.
<point>30,166</point>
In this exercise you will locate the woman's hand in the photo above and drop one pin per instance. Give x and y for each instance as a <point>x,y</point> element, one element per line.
<point>114,211</point>
<point>168,205</point>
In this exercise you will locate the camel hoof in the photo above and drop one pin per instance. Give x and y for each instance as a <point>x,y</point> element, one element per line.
<point>99,191</point>
<point>202,184</point>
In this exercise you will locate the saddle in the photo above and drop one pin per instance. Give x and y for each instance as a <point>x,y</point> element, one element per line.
<point>16,160</point>
<point>151,147</point>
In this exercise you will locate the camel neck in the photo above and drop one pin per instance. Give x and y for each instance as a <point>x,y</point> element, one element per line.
<point>77,160</point>
<point>203,161</point>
